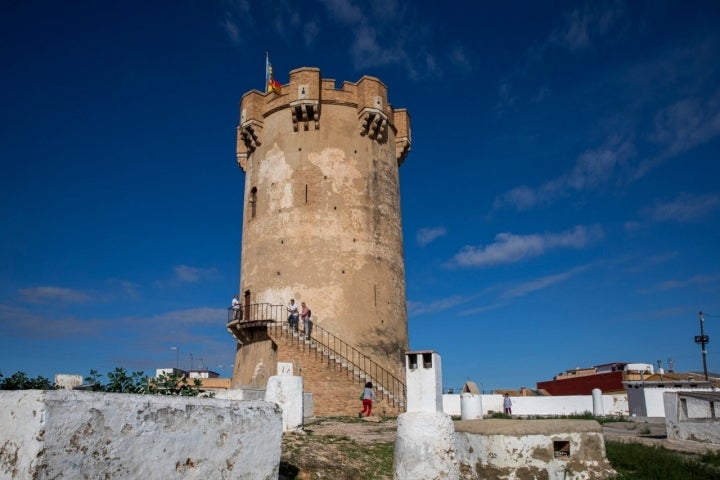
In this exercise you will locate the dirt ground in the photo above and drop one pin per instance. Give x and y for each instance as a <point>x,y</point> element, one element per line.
<point>353,448</point>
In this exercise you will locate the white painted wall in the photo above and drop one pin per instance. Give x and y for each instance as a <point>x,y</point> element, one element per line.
<point>644,401</point>
<point>554,405</point>
<point>698,425</point>
<point>72,434</point>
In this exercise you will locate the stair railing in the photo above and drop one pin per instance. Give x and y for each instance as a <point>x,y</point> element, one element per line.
<point>332,348</point>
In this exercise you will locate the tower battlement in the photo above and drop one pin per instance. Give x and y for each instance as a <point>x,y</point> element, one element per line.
<point>304,97</point>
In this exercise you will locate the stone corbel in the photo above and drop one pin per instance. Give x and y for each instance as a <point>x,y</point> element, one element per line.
<point>250,133</point>
<point>402,148</point>
<point>305,112</point>
<point>374,124</point>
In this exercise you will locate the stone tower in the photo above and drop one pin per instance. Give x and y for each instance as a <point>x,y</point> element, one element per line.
<point>321,219</point>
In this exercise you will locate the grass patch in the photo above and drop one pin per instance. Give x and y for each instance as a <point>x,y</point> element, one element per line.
<point>640,462</point>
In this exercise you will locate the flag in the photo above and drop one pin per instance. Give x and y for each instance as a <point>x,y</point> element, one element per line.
<point>271,85</point>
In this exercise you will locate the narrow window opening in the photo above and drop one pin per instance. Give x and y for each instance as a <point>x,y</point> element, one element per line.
<point>427,360</point>
<point>561,448</point>
<point>253,202</point>
<point>412,361</point>
<point>374,289</point>
<point>306,193</point>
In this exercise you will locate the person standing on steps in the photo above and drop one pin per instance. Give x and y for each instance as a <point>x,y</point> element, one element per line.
<point>367,398</point>
<point>307,323</point>
<point>293,315</point>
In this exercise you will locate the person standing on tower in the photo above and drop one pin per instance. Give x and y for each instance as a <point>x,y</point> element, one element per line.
<point>235,307</point>
<point>307,323</point>
<point>293,316</point>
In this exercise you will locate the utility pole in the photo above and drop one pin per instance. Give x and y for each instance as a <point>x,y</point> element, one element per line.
<point>703,340</point>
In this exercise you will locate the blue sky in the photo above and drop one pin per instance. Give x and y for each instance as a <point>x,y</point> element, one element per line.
<point>560,202</point>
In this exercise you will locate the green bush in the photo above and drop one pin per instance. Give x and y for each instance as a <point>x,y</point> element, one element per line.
<point>20,381</point>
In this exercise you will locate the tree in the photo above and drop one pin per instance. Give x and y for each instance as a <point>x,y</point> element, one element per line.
<point>20,381</point>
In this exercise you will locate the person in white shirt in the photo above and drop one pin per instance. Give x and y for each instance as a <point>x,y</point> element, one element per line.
<point>294,315</point>
<point>236,307</point>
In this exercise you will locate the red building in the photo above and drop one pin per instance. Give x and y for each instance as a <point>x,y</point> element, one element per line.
<point>607,377</point>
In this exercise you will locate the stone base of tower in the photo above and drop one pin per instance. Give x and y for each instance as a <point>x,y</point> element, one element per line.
<point>335,388</point>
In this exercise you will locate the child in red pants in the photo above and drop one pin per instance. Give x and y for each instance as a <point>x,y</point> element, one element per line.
<point>367,398</point>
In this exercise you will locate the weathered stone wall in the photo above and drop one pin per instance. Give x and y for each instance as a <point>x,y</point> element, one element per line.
<point>550,449</point>
<point>71,434</point>
<point>688,417</point>
<point>322,211</point>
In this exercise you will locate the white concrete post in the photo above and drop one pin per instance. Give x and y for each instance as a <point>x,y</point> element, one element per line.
<point>471,407</point>
<point>287,392</point>
<point>597,402</point>
<point>423,373</point>
<point>425,438</point>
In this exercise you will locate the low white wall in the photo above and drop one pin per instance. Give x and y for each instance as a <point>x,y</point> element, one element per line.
<point>554,405</point>
<point>696,424</point>
<point>496,448</point>
<point>649,402</point>
<point>71,434</point>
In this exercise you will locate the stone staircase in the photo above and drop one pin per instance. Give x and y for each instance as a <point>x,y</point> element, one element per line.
<point>345,364</point>
<point>325,345</point>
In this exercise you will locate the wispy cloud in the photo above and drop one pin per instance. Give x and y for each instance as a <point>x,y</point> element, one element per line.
<point>695,281</point>
<point>427,235</point>
<point>685,208</point>
<point>592,168</point>
<point>49,294</point>
<point>586,24</point>
<point>237,18</point>
<point>422,308</point>
<point>687,124</point>
<point>188,274</point>
<point>542,283</point>
<point>510,248</point>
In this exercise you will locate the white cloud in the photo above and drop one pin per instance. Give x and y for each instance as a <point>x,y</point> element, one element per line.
<point>585,24</point>
<point>592,168</point>
<point>695,281</point>
<point>687,124</point>
<point>420,308</point>
<point>685,208</point>
<point>541,283</point>
<point>510,248</point>
<point>428,235</point>
<point>185,273</point>
<point>48,294</point>
<point>344,11</point>
<point>237,19</point>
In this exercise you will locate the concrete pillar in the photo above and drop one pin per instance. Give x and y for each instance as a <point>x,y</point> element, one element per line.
<point>287,392</point>
<point>597,402</point>
<point>423,372</point>
<point>425,447</point>
<point>471,406</point>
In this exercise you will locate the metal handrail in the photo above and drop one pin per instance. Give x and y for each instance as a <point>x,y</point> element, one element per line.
<point>328,344</point>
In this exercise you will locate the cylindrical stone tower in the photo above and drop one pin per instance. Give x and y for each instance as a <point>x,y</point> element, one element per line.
<point>321,219</point>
